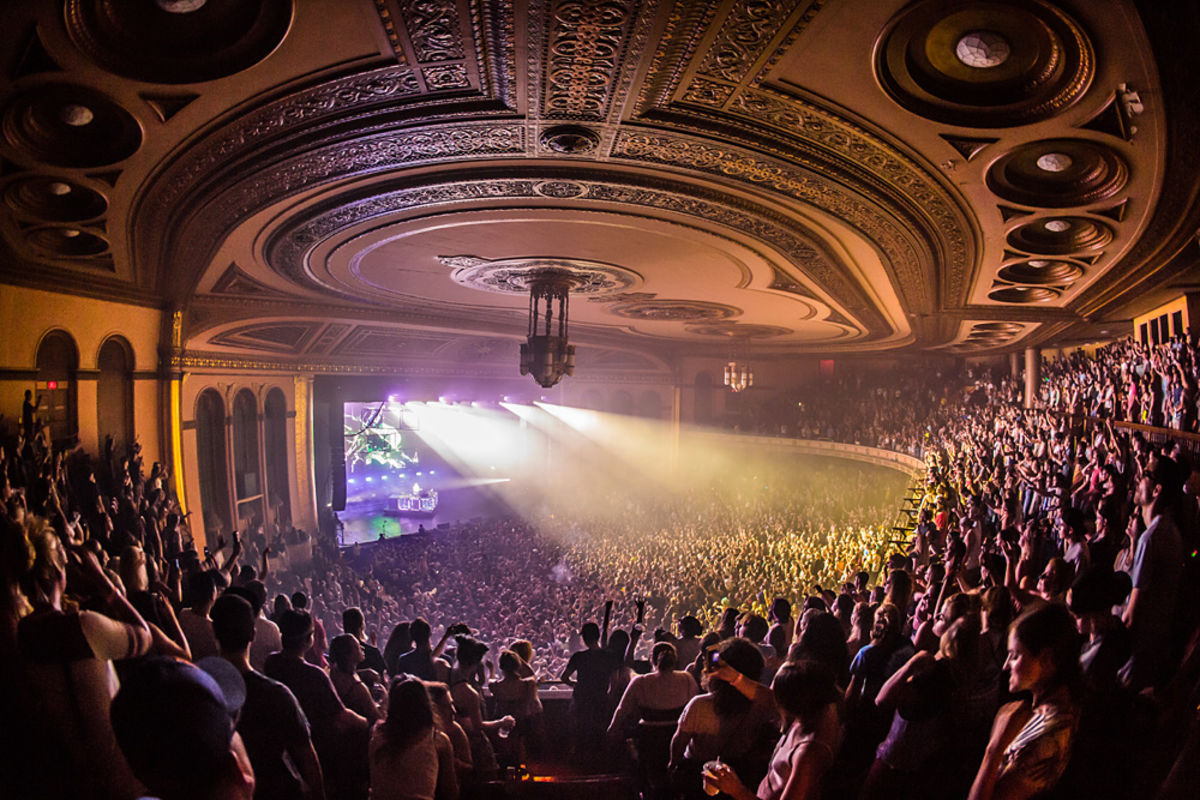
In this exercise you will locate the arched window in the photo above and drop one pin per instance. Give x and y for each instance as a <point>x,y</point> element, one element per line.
<point>211,462</point>
<point>246,478</point>
<point>649,405</point>
<point>114,393</point>
<point>621,402</point>
<point>276,449</point>
<point>57,376</point>
<point>704,405</point>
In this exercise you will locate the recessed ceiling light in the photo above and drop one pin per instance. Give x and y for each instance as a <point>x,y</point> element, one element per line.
<point>180,6</point>
<point>982,49</point>
<point>1057,225</point>
<point>1053,162</point>
<point>1039,262</point>
<point>76,115</point>
<point>70,233</point>
<point>59,188</point>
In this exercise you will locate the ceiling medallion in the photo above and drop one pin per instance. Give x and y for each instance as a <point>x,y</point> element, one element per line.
<point>560,190</point>
<point>515,275</point>
<point>984,64</point>
<point>674,310</point>
<point>1058,173</point>
<point>570,139</point>
<point>735,330</point>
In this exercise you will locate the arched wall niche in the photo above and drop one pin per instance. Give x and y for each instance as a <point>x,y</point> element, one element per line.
<point>114,394</point>
<point>57,386</point>
<point>247,462</point>
<point>212,469</point>
<point>276,452</point>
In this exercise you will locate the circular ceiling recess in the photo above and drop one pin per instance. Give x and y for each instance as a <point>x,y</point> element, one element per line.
<point>674,310</point>
<point>1060,236</point>
<point>69,126</point>
<point>734,330</point>
<point>570,139</point>
<point>998,327</point>
<point>53,199</point>
<point>177,41</point>
<point>514,275</point>
<point>65,242</point>
<point>1058,173</point>
<point>984,64</point>
<point>1024,294</point>
<point>1041,272</point>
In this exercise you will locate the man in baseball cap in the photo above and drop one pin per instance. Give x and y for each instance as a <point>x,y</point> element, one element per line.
<point>175,723</point>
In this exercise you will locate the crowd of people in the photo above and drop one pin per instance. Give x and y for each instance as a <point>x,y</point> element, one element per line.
<point>1036,637</point>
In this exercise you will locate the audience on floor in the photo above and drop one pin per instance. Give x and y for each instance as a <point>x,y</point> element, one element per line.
<point>1037,636</point>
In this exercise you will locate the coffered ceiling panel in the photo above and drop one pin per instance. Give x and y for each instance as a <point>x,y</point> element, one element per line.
<point>353,178</point>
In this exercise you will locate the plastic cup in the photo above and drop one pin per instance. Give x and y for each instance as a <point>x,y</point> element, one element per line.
<point>707,772</point>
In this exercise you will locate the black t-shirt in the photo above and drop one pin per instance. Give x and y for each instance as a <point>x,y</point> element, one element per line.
<point>418,663</point>
<point>271,722</point>
<point>373,659</point>
<point>593,670</point>
<point>27,411</point>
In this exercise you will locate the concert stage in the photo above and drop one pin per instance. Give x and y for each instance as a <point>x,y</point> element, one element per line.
<point>369,519</point>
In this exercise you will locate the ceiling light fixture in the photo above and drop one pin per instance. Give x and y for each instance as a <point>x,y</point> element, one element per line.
<point>1054,162</point>
<point>982,49</point>
<point>738,377</point>
<point>76,115</point>
<point>546,353</point>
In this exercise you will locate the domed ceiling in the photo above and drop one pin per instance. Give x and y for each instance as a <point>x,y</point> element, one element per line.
<point>341,182</point>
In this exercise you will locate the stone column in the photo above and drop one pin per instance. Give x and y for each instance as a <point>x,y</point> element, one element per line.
<point>1014,364</point>
<point>1033,375</point>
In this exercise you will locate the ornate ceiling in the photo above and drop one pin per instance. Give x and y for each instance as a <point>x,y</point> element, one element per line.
<point>349,182</point>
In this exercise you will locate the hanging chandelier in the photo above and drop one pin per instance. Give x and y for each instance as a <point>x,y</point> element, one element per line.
<point>738,376</point>
<point>546,354</point>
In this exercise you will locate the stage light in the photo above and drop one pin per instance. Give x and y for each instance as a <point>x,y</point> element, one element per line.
<point>431,472</point>
<point>351,480</point>
<point>419,474</point>
<point>370,480</point>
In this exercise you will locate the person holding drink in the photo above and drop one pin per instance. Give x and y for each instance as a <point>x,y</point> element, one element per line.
<point>806,696</point>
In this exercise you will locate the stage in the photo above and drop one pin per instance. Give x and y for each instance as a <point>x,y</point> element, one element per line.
<point>368,520</point>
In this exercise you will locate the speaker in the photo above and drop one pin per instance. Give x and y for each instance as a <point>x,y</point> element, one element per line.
<point>337,454</point>
<point>338,480</point>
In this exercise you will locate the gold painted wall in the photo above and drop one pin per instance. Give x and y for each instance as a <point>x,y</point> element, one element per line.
<point>29,314</point>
